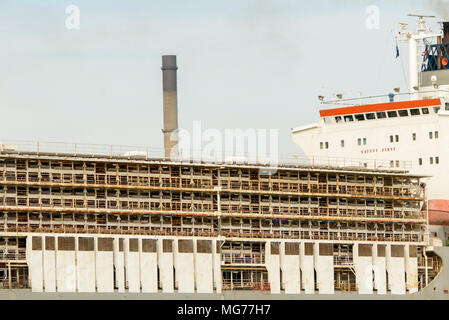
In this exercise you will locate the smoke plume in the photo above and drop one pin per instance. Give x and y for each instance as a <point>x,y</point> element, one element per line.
<point>441,8</point>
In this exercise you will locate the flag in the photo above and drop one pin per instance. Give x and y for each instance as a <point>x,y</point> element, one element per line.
<point>397,51</point>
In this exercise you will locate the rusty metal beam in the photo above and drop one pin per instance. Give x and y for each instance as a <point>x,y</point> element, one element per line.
<point>211,214</point>
<point>211,190</point>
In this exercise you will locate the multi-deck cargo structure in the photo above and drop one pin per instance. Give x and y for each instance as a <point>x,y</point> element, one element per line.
<point>80,222</point>
<point>108,219</point>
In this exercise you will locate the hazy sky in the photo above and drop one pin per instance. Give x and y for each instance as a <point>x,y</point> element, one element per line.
<point>242,64</point>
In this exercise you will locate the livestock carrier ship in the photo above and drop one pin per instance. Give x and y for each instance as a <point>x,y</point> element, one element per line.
<point>95,221</point>
<point>401,129</point>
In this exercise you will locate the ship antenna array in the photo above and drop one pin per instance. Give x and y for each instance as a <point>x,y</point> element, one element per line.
<point>412,39</point>
<point>420,15</point>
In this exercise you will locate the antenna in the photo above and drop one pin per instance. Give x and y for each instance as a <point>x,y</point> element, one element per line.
<point>422,33</point>
<point>403,26</point>
<point>421,22</point>
<point>420,15</point>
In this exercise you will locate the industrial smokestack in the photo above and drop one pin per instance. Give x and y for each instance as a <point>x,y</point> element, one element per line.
<point>170,100</point>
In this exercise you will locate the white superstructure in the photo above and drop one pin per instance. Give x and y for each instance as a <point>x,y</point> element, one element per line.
<point>412,134</point>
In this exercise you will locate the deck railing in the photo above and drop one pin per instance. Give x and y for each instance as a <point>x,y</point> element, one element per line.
<point>194,156</point>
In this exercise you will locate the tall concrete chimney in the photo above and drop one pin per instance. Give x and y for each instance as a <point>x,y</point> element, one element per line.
<point>170,100</point>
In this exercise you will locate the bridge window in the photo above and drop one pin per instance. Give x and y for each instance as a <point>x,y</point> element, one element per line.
<point>359,117</point>
<point>381,115</point>
<point>425,111</point>
<point>403,113</point>
<point>348,118</point>
<point>337,119</point>
<point>392,114</point>
<point>370,116</point>
<point>436,109</point>
<point>414,112</point>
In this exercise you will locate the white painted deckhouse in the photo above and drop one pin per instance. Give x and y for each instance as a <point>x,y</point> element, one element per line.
<point>412,133</point>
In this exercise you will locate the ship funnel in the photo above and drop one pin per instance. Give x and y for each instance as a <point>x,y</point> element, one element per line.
<point>170,101</point>
<point>446,32</point>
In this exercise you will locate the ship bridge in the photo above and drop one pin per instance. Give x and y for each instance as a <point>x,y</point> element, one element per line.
<point>412,108</point>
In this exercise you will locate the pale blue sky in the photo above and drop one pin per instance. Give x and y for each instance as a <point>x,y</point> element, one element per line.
<point>242,64</point>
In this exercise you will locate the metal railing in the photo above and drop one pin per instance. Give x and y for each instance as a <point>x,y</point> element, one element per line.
<point>433,55</point>
<point>354,100</point>
<point>193,156</point>
<point>12,255</point>
<point>343,260</point>
<point>244,258</point>
<point>245,285</point>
